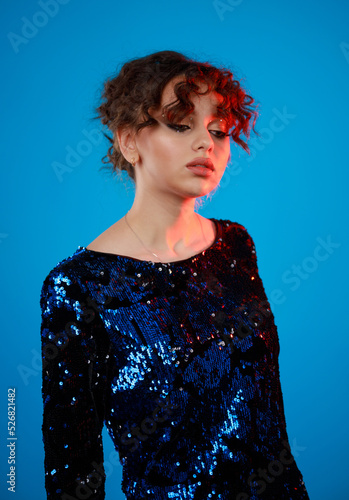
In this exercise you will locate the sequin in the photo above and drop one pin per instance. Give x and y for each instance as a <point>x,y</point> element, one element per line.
<point>179,361</point>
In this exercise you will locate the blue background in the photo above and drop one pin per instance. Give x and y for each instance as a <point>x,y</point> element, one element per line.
<point>290,194</point>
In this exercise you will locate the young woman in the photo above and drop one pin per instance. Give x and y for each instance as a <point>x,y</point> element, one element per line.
<point>160,328</point>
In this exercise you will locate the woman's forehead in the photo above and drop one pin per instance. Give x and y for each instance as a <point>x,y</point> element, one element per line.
<point>169,95</point>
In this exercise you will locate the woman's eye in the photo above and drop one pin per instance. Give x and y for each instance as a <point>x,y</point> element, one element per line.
<point>221,134</point>
<point>178,128</point>
<point>181,128</point>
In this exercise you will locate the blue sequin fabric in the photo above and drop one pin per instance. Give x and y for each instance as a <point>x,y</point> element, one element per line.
<point>180,361</point>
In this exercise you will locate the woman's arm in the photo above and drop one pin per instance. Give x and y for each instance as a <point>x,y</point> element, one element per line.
<point>74,381</point>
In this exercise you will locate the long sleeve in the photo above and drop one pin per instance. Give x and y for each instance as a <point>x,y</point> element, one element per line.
<point>74,380</point>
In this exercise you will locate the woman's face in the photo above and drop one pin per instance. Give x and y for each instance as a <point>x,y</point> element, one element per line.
<point>165,149</point>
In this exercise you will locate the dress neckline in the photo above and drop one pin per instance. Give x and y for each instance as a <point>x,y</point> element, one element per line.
<point>119,257</point>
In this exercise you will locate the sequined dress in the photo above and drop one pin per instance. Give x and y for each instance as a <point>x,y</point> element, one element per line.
<point>180,362</point>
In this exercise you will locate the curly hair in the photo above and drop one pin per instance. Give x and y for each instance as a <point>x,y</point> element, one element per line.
<point>139,85</point>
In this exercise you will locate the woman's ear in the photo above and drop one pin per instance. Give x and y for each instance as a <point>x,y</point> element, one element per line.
<point>124,139</point>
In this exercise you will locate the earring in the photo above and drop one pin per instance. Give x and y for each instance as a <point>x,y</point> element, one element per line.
<point>133,162</point>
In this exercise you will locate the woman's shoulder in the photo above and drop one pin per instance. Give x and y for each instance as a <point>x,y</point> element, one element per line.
<point>235,228</point>
<point>68,272</point>
<point>113,240</point>
<point>81,267</point>
<point>239,240</point>
<point>79,260</point>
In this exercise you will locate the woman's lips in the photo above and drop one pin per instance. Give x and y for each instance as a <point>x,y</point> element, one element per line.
<point>200,170</point>
<point>201,161</point>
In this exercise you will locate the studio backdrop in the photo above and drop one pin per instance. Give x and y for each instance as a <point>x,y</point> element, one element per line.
<point>290,193</point>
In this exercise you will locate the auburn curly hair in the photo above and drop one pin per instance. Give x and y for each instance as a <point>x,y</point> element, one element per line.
<point>138,86</point>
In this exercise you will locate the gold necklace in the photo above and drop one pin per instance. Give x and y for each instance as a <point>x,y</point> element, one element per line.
<point>147,249</point>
